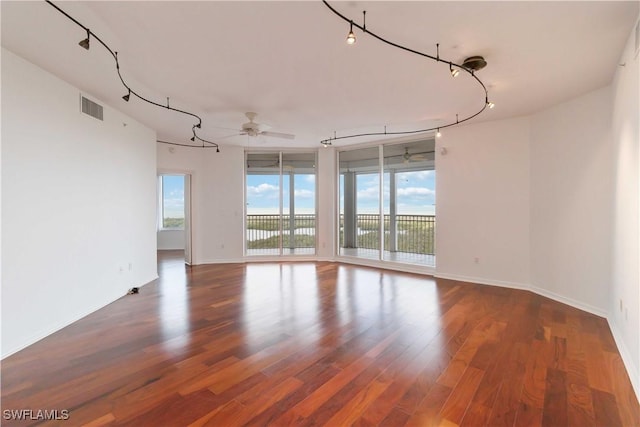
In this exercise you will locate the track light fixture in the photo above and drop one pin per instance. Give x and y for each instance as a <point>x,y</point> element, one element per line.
<point>472,64</point>
<point>85,43</point>
<point>351,37</point>
<point>454,71</point>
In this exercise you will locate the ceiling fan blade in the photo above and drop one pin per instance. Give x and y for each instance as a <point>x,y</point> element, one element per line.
<point>278,135</point>
<point>229,136</point>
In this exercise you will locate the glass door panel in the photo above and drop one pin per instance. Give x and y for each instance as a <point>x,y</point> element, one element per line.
<point>409,202</point>
<point>359,233</point>
<point>299,203</point>
<point>263,213</point>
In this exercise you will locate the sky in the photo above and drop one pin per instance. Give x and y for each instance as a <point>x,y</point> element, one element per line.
<point>173,196</point>
<point>415,193</point>
<point>263,195</point>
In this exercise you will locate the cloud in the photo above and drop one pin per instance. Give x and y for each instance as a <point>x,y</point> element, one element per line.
<point>304,194</point>
<point>311,179</point>
<point>419,175</point>
<point>370,193</point>
<point>416,192</point>
<point>262,190</point>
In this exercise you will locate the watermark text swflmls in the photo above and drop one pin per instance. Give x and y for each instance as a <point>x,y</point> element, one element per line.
<point>35,414</point>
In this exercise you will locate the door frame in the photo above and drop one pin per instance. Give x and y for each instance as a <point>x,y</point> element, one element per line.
<point>188,208</point>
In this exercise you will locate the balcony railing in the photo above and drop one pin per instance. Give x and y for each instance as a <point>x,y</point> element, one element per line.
<point>412,234</point>
<point>263,231</point>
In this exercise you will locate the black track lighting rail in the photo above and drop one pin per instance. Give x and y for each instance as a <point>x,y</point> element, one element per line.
<point>191,145</point>
<point>437,58</point>
<point>85,44</point>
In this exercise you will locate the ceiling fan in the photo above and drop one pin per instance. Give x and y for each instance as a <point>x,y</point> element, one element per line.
<point>418,157</point>
<point>252,128</point>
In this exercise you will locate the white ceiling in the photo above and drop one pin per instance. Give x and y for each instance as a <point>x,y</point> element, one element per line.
<point>288,61</point>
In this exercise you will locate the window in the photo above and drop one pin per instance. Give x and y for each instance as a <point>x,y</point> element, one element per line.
<point>171,191</point>
<point>395,223</point>
<point>280,204</point>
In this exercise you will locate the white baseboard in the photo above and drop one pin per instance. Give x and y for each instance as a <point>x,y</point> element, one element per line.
<point>569,301</point>
<point>481,281</point>
<point>629,363</point>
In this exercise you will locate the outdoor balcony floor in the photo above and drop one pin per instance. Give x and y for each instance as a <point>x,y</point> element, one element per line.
<point>371,254</point>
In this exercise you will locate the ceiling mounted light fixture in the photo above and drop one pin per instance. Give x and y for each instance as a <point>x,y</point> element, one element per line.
<point>85,43</point>
<point>438,133</point>
<point>474,63</point>
<point>351,37</point>
<point>471,64</point>
<point>454,71</point>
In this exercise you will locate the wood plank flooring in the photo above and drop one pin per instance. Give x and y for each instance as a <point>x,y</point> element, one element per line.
<point>304,344</point>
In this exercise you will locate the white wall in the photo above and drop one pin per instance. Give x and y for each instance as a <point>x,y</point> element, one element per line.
<point>78,200</point>
<point>571,184</point>
<point>170,239</point>
<point>625,278</point>
<point>217,191</point>
<point>483,203</point>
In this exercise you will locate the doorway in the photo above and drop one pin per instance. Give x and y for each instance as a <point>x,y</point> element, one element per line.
<point>174,213</point>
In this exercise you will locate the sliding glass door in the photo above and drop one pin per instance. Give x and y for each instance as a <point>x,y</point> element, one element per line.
<point>359,203</point>
<point>387,202</point>
<point>280,203</point>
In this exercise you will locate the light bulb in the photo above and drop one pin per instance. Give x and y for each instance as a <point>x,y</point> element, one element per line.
<point>351,37</point>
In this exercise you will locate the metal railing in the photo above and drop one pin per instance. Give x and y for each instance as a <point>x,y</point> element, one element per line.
<point>263,231</point>
<point>407,233</point>
<point>410,234</point>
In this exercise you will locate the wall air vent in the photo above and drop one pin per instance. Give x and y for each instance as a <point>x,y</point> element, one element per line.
<point>91,108</point>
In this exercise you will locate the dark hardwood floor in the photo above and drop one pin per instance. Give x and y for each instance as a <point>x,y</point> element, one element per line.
<point>323,344</point>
